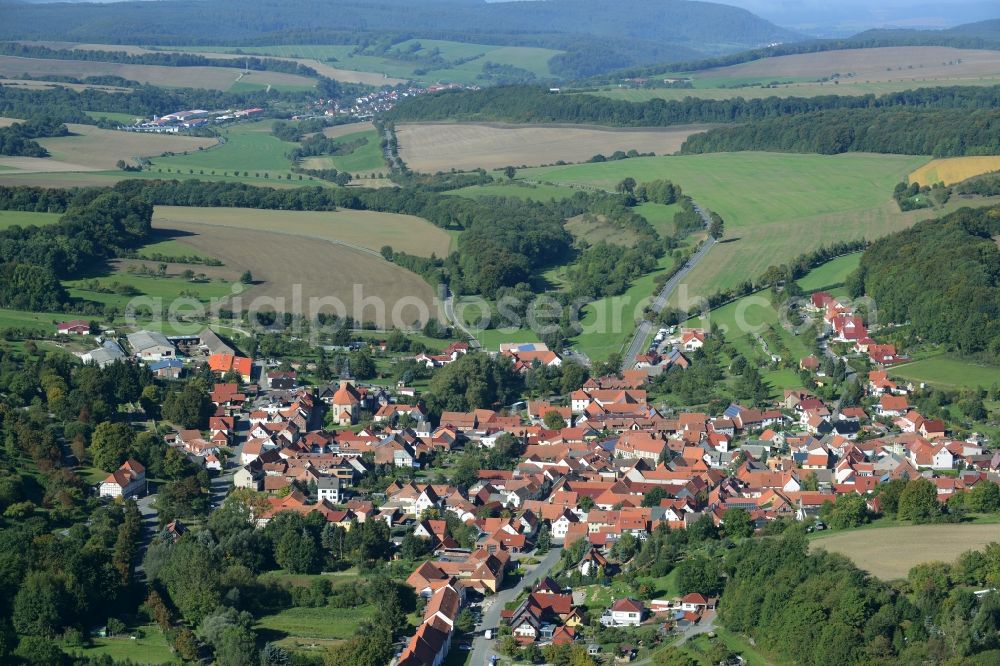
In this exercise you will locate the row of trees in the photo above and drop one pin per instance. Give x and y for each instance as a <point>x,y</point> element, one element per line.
<point>524,104</point>
<point>939,132</point>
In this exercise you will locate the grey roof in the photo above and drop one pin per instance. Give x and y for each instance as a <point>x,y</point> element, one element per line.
<point>328,482</point>
<point>106,354</point>
<point>214,343</point>
<point>144,340</point>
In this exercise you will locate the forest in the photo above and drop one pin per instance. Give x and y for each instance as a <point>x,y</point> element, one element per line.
<point>96,225</point>
<point>942,277</point>
<point>18,139</point>
<point>821,608</point>
<point>528,104</point>
<point>588,31</point>
<point>941,133</point>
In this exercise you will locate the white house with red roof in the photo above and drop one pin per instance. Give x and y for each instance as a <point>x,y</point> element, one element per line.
<point>74,327</point>
<point>127,480</point>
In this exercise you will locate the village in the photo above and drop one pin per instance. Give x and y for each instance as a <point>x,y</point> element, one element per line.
<point>534,548</point>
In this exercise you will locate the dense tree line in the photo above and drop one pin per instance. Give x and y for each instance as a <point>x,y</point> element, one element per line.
<point>958,302</point>
<point>824,610</point>
<point>526,104</point>
<point>941,133</point>
<point>607,269</point>
<point>17,139</point>
<point>318,144</point>
<point>984,186</point>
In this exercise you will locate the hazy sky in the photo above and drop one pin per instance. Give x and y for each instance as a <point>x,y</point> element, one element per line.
<point>863,14</point>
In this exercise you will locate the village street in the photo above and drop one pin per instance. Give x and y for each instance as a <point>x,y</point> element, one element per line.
<point>482,649</point>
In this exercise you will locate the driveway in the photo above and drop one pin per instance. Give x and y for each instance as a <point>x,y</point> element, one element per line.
<point>482,649</point>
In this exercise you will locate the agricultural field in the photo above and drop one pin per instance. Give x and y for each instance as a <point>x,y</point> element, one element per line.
<point>96,148</point>
<point>784,87</point>
<point>431,147</point>
<point>890,552</point>
<point>953,170</point>
<point>338,131</point>
<point>948,371</point>
<point>247,147</point>
<point>32,84</point>
<point>211,78</point>
<point>342,63</point>
<point>897,63</point>
<point>776,206</point>
<point>367,157</point>
<point>289,270</point>
<point>168,247</point>
<point>10,218</point>
<point>355,229</point>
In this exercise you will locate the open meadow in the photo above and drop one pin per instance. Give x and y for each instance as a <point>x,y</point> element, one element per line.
<point>949,371</point>
<point>890,552</point>
<point>953,170</point>
<point>351,228</point>
<point>366,157</point>
<point>431,147</point>
<point>462,62</point>
<point>211,78</point>
<point>33,84</point>
<point>10,218</point>
<point>775,205</point>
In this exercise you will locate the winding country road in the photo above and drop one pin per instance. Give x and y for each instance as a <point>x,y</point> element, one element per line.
<point>645,327</point>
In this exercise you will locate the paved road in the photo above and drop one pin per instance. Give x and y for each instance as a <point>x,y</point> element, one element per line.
<point>482,649</point>
<point>449,312</point>
<point>645,327</point>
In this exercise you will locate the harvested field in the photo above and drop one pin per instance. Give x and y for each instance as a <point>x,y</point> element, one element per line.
<point>954,169</point>
<point>212,78</point>
<point>49,85</point>
<point>345,75</point>
<point>431,147</point>
<point>894,63</point>
<point>7,122</point>
<point>42,165</point>
<point>338,131</point>
<point>890,552</point>
<point>351,228</point>
<point>290,271</point>
<point>100,149</point>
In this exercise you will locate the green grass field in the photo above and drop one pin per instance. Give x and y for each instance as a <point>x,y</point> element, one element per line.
<point>367,158</point>
<point>169,247</point>
<point>775,206</point>
<point>150,649</point>
<point>167,288</point>
<point>609,323</point>
<point>248,148</point>
<point>10,218</point>
<point>125,118</point>
<point>303,627</point>
<point>831,275</point>
<point>45,321</point>
<point>949,371</point>
<point>660,216</point>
